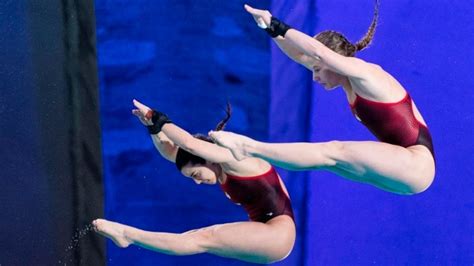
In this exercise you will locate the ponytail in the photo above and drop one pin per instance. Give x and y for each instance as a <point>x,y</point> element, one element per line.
<point>183,157</point>
<point>228,111</point>
<point>367,39</point>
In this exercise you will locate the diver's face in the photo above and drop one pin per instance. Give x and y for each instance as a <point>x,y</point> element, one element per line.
<point>201,173</point>
<point>325,77</point>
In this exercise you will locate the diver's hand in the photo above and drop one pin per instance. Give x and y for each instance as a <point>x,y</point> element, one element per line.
<point>143,112</point>
<point>154,120</point>
<point>262,17</point>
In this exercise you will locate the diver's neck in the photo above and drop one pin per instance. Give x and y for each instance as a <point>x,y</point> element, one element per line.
<point>347,87</point>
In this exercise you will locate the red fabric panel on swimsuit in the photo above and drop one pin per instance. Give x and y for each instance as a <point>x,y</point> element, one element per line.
<point>394,123</point>
<point>261,196</point>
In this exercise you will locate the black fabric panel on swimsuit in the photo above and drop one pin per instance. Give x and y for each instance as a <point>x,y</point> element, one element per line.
<point>424,138</point>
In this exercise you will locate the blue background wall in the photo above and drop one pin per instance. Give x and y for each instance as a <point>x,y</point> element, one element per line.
<point>21,146</point>
<point>188,59</point>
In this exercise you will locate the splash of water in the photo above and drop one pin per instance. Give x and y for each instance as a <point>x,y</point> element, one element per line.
<point>78,235</point>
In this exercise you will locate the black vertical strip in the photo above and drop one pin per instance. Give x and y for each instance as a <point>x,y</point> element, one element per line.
<point>84,130</point>
<point>46,37</point>
<point>69,39</point>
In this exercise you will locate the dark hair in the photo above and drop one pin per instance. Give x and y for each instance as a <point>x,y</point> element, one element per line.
<point>337,42</point>
<point>184,157</point>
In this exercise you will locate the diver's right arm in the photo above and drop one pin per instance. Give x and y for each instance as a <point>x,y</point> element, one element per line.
<point>162,143</point>
<point>294,53</point>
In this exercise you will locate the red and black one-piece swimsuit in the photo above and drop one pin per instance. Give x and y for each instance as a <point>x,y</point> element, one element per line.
<point>393,123</point>
<point>262,196</point>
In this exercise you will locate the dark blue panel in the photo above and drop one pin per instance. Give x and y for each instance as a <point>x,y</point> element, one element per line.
<point>24,199</point>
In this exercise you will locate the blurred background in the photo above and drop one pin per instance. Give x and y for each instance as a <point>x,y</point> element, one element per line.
<point>71,150</point>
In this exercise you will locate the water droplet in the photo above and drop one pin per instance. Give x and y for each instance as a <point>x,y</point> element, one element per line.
<point>74,243</point>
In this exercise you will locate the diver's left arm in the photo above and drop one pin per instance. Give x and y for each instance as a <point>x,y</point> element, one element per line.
<point>164,130</point>
<point>206,150</point>
<point>344,65</point>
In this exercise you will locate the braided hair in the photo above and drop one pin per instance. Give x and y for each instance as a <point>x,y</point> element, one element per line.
<point>337,42</point>
<point>184,157</point>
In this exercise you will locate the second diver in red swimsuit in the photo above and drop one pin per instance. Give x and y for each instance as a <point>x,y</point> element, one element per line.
<point>253,183</point>
<point>402,162</point>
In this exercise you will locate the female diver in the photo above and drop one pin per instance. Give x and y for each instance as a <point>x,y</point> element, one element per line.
<point>253,183</point>
<point>402,162</point>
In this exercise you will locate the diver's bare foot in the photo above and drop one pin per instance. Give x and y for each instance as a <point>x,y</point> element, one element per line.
<point>237,144</point>
<point>112,230</point>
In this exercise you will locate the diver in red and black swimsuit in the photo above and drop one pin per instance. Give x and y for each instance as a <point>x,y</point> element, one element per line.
<point>402,162</point>
<point>393,123</point>
<point>268,236</point>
